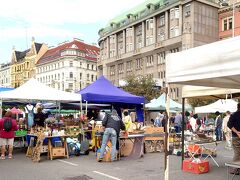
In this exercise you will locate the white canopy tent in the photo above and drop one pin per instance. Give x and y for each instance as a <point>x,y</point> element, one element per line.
<point>212,65</point>
<point>34,90</point>
<point>221,105</point>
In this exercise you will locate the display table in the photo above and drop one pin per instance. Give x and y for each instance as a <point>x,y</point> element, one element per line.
<point>137,149</point>
<point>61,151</point>
<point>58,150</point>
<point>232,165</point>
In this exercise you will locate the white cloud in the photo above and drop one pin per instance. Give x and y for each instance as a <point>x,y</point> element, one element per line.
<point>62,11</point>
<point>37,31</point>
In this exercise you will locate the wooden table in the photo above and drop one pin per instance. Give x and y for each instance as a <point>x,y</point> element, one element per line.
<point>53,152</point>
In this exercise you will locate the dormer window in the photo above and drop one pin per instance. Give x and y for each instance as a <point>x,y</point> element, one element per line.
<point>74,46</point>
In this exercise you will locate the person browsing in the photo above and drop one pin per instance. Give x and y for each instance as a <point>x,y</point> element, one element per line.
<point>112,124</point>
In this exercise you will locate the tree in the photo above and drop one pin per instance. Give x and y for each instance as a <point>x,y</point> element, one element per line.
<point>195,102</point>
<point>142,86</point>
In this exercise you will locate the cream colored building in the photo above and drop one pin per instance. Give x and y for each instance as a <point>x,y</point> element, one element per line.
<point>138,41</point>
<point>5,75</point>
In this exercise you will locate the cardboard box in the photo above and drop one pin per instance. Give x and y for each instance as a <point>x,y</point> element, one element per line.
<point>195,167</point>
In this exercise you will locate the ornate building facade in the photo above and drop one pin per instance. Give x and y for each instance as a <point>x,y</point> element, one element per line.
<point>23,63</point>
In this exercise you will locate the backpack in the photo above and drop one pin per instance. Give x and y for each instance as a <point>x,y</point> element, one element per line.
<point>7,124</point>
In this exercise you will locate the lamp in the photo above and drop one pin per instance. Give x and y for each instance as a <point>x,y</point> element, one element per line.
<point>225,4</point>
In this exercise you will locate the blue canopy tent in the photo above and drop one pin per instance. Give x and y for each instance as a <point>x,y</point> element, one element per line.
<point>103,91</point>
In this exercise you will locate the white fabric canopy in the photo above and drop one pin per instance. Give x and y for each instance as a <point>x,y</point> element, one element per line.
<point>197,91</point>
<point>215,65</point>
<point>35,90</point>
<point>221,105</point>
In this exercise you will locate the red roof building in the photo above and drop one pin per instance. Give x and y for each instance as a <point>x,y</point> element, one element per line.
<point>70,66</point>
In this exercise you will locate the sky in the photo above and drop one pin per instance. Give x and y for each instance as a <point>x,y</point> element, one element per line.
<point>54,21</point>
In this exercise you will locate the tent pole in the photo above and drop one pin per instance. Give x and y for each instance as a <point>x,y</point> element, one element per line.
<point>183,127</point>
<point>166,155</point>
<point>86,108</point>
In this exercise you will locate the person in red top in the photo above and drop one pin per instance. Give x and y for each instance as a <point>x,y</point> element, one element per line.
<point>7,137</point>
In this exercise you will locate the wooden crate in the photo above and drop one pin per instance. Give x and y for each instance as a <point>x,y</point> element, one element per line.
<point>56,152</point>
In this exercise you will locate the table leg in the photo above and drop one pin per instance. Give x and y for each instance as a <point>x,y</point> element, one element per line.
<point>66,147</point>
<point>50,149</point>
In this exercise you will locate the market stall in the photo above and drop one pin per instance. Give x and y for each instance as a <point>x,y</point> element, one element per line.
<point>212,65</point>
<point>34,90</point>
<point>103,91</point>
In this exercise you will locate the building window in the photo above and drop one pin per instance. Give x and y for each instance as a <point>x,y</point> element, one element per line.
<point>187,10</point>
<point>129,66</point>
<point>176,31</point>
<point>112,46</point>
<point>87,66</point>
<point>70,63</point>
<point>112,70</point>
<point>149,24</point>
<point>80,75</point>
<point>120,68</point>
<point>162,21</point>
<point>150,61</point>
<point>92,78</point>
<point>174,13</point>
<point>171,32</point>
<point>227,23</point>
<point>88,77</point>
<point>70,86</point>
<point>174,50</point>
<point>139,63</point>
<point>71,75</point>
<point>161,58</point>
<point>162,36</point>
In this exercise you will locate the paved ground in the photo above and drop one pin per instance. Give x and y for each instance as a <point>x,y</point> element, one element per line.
<point>150,167</point>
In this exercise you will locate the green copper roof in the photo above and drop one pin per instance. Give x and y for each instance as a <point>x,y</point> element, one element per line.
<point>135,10</point>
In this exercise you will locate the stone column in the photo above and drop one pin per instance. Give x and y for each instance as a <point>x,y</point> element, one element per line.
<point>166,25</point>
<point>154,29</point>
<point>143,34</point>
<point>134,38</point>
<point>180,19</point>
<point>124,41</point>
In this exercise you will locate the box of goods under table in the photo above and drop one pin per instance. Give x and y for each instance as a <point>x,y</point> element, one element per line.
<point>196,167</point>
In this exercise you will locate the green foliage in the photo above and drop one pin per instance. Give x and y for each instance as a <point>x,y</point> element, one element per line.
<point>195,102</point>
<point>142,86</point>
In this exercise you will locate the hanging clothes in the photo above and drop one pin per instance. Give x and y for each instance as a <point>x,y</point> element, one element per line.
<point>30,111</point>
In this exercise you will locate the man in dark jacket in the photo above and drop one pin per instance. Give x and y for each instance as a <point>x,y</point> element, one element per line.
<point>234,125</point>
<point>113,124</point>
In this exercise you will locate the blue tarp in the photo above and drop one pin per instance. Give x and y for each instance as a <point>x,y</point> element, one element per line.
<point>5,89</point>
<point>103,91</point>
